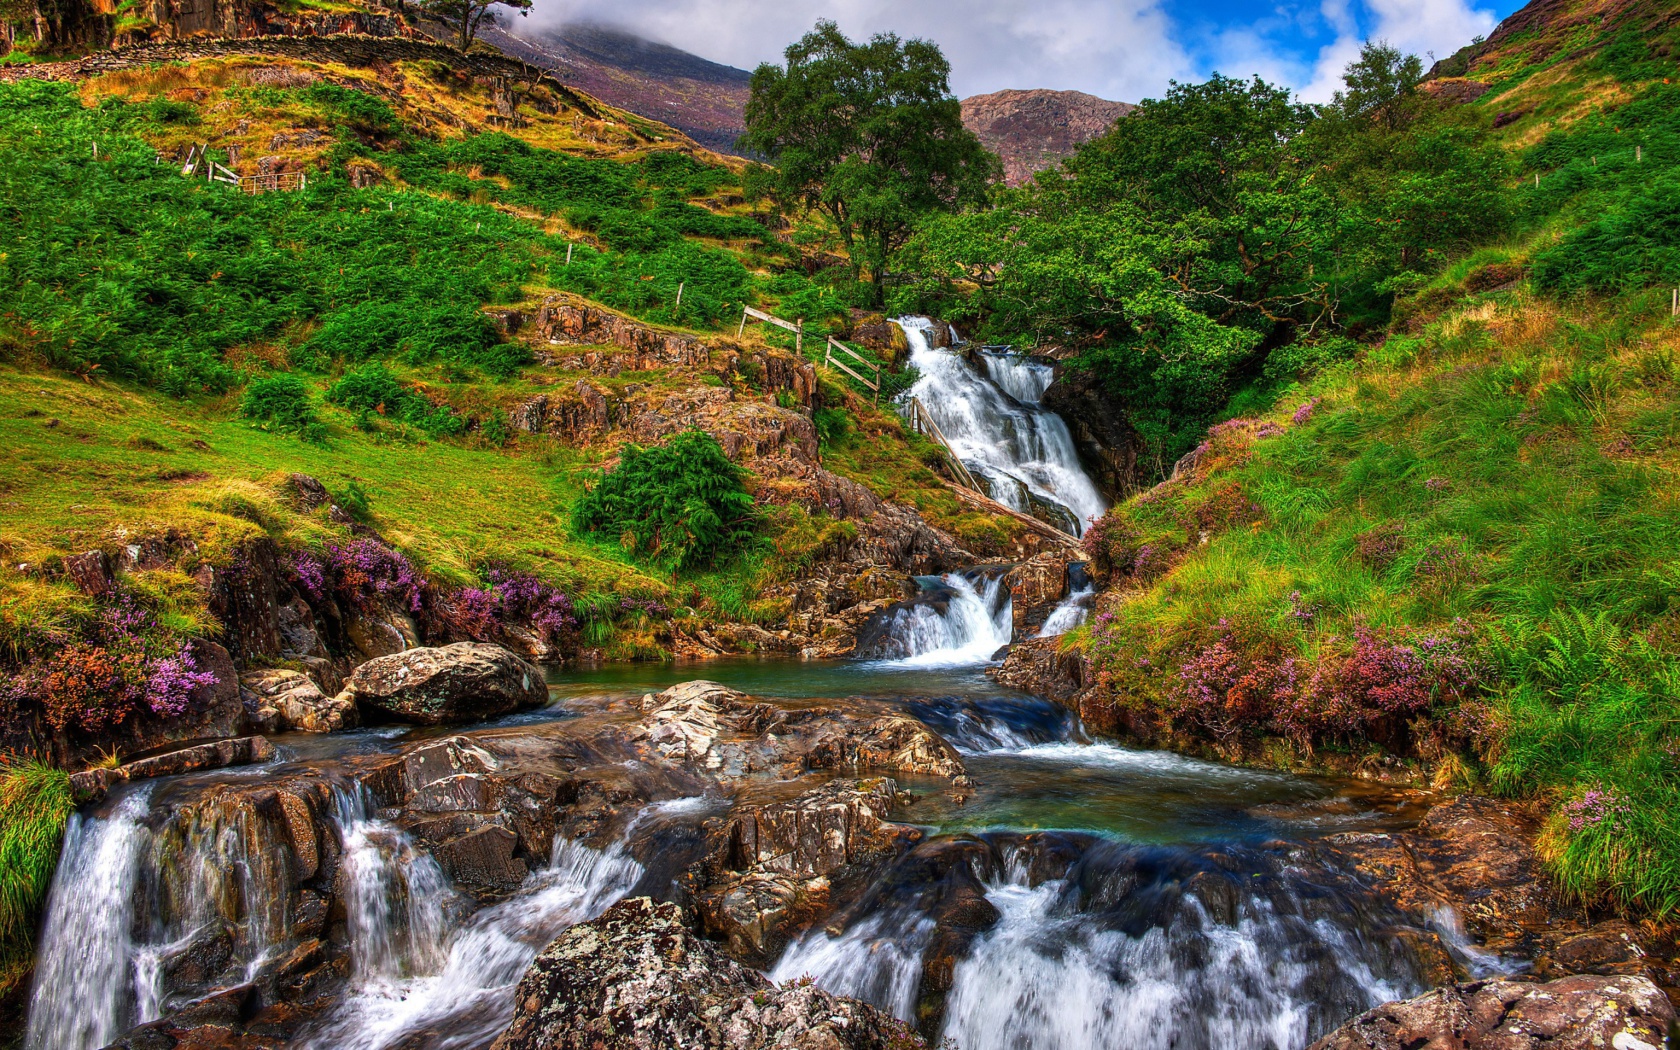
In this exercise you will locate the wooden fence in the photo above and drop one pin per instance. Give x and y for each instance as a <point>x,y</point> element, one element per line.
<point>830,359</point>
<point>922,423</point>
<point>288,180</point>
<point>749,314</point>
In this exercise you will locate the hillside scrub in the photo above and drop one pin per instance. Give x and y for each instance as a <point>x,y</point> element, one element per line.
<point>680,505</point>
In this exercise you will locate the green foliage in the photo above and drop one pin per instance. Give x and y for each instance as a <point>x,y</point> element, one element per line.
<point>869,135</point>
<point>372,389</point>
<point>833,424</point>
<point>1633,245</point>
<point>1381,86</point>
<point>282,402</point>
<point>681,505</point>
<point>419,331</point>
<point>35,805</point>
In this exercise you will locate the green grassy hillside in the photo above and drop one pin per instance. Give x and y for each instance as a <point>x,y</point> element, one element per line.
<point>1460,548</point>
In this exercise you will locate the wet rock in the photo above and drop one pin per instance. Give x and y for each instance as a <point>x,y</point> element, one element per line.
<point>1475,856</point>
<point>298,702</point>
<point>1613,947</point>
<point>1040,667</point>
<point>483,858</point>
<point>91,785</point>
<point>638,979</point>
<point>1572,1013</point>
<point>1035,586</point>
<point>453,683</point>
<point>772,862</point>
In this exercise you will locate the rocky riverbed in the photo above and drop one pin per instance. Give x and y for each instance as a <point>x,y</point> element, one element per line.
<point>929,855</point>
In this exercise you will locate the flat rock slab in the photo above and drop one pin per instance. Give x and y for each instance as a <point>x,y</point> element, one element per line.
<point>463,682</point>
<point>91,785</point>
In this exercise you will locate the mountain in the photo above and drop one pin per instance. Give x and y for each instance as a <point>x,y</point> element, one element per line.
<point>701,98</point>
<point>1034,130</point>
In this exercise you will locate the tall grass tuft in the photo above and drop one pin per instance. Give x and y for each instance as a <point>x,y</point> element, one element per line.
<point>35,804</point>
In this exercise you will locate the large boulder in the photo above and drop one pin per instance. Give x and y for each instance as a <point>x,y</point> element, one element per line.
<point>462,682</point>
<point>1572,1013</point>
<point>638,979</point>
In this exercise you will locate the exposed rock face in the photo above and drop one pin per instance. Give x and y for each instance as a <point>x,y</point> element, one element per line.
<point>291,701</point>
<point>453,683</point>
<point>1108,447</point>
<point>91,785</point>
<point>772,863</point>
<point>638,979</point>
<point>1036,585</point>
<point>1038,666</point>
<point>1573,1013</point>
<point>1475,855</point>
<point>1034,130</point>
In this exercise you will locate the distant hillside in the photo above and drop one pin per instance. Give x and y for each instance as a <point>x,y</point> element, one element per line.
<point>1034,130</point>
<point>701,98</point>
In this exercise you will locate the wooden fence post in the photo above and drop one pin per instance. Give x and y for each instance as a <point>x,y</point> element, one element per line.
<point>568,254</point>
<point>679,292</point>
<point>742,330</point>
<point>799,336</point>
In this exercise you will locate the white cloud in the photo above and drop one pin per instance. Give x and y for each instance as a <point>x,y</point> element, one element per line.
<point>1119,49</point>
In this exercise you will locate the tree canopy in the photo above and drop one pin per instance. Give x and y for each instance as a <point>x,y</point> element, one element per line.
<point>867,134</point>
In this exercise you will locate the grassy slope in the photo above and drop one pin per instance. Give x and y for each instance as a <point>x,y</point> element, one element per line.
<point>1498,477</point>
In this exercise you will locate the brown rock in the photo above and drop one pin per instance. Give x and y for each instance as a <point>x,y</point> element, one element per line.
<point>1034,130</point>
<point>90,572</point>
<point>299,703</point>
<point>1573,1013</point>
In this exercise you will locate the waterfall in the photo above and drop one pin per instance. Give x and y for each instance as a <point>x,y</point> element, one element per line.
<point>998,429</point>
<point>973,624</point>
<point>135,893</point>
<point>395,897</point>
<point>878,960</point>
<point>1143,947</point>
<point>82,996</point>
<point>457,987</point>
<point>1069,613</point>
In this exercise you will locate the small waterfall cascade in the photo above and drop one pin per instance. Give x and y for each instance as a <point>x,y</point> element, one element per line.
<point>1158,948</point>
<point>1073,610</point>
<point>956,622</point>
<point>137,894</point>
<point>1023,451</point>
<point>452,983</point>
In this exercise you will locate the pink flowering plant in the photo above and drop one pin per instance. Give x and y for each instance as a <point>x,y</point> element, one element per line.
<point>363,572</point>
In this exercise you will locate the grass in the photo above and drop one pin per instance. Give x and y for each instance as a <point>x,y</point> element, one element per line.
<point>35,805</point>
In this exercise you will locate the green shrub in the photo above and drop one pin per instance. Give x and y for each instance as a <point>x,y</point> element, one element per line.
<point>419,332</point>
<point>372,389</point>
<point>833,424</point>
<point>281,402</point>
<point>35,804</point>
<point>681,504</point>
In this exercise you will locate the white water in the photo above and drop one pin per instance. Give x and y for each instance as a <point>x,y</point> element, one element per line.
<point>997,428</point>
<point>976,623</point>
<point>878,960</point>
<point>1069,613</point>
<point>82,995</point>
<point>459,989</point>
<point>1048,978</point>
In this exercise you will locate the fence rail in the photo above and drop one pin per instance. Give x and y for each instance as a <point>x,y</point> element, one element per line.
<point>922,423</point>
<point>796,327</point>
<point>288,180</point>
<point>863,362</point>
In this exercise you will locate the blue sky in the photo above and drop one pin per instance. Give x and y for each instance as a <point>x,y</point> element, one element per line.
<point>1119,49</point>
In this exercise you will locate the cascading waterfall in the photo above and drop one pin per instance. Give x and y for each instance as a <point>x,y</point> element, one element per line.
<point>135,892</point>
<point>458,988</point>
<point>974,623</point>
<point>878,960</point>
<point>997,427</point>
<point>1070,612</point>
<point>396,898</point>
<point>82,995</point>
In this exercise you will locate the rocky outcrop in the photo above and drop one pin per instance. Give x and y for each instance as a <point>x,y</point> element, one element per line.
<point>91,785</point>
<point>1573,1013</point>
<point>1108,446</point>
<point>638,979</point>
<point>284,701</point>
<point>1036,585</point>
<point>1040,666</point>
<point>731,735</point>
<point>1475,856</point>
<point>771,864</point>
<point>462,682</point>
